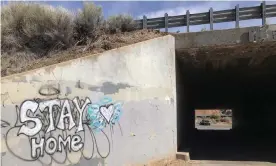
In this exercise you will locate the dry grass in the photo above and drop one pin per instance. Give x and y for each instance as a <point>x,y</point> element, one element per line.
<point>121,23</point>
<point>35,34</point>
<point>22,61</point>
<point>89,23</point>
<point>35,28</point>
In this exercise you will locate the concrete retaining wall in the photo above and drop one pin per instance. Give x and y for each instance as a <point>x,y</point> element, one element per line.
<point>115,108</point>
<point>224,37</point>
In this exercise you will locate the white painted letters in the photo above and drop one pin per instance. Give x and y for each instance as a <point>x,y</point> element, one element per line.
<point>49,104</point>
<point>76,143</point>
<point>80,110</point>
<point>41,119</point>
<point>68,115</point>
<point>65,143</point>
<point>107,112</point>
<point>25,107</point>
<point>36,146</point>
<point>51,145</point>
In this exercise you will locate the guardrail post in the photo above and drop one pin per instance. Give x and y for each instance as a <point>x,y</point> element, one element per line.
<point>144,22</point>
<point>263,13</point>
<point>188,20</point>
<point>237,16</point>
<point>211,19</point>
<point>237,12</point>
<point>166,22</point>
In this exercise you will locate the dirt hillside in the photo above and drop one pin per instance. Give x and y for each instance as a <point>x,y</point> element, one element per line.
<point>18,63</point>
<point>207,112</point>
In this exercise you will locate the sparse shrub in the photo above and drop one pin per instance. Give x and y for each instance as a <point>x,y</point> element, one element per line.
<point>88,23</point>
<point>31,30</point>
<point>216,117</point>
<point>35,27</point>
<point>121,23</point>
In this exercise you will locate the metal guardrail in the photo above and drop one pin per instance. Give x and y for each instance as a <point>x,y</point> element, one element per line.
<point>238,14</point>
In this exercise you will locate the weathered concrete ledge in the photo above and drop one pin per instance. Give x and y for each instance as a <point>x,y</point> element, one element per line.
<point>225,37</point>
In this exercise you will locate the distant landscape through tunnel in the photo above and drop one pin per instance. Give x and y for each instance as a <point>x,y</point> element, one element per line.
<point>241,78</point>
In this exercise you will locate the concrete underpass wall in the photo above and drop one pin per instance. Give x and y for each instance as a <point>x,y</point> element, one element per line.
<point>207,79</point>
<point>248,90</point>
<point>224,37</point>
<point>126,97</point>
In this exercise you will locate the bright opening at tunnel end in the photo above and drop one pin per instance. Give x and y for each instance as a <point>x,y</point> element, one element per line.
<point>213,119</point>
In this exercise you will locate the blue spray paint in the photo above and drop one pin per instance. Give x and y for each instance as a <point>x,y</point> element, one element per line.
<point>96,117</point>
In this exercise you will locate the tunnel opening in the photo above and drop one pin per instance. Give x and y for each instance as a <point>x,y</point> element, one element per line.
<point>241,77</point>
<point>213,119</point>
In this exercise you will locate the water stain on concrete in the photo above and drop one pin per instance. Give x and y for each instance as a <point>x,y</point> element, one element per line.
<point>4,96</point>
<point>36,79</point>
<point>19,79</point>
<point>94,88</point>
<point>68,91</point>
<point>79,85</point>
<point>50,69</point>
<point>172,100</point>
<point>109,87</point>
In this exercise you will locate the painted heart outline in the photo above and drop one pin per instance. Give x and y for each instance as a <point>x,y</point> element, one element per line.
<point>107,112</point>
<point>103,113</point>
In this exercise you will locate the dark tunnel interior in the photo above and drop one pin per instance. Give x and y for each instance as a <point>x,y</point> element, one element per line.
<point>249,91</point>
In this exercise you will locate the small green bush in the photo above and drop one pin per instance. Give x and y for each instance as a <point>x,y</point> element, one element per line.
<point>216,117</point>
<point>121,23</point>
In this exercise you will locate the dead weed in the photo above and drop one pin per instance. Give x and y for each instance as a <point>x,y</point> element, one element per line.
<point>18,62</point>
